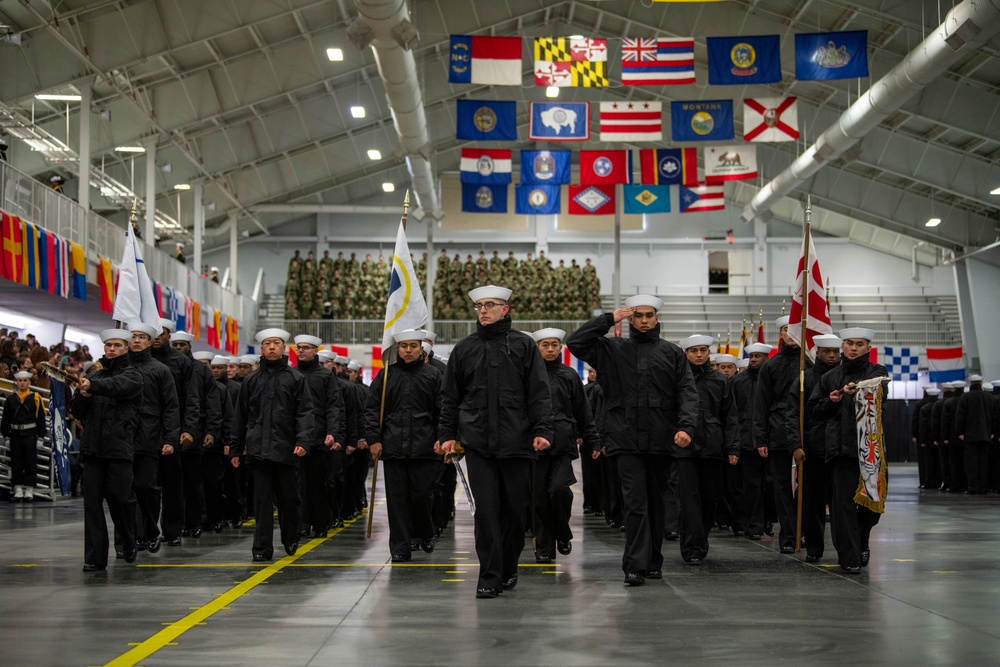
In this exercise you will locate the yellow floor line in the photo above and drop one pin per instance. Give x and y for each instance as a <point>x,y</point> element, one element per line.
<point>240,565</point>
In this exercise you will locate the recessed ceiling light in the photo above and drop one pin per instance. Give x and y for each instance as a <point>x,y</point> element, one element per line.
<point>374,154</point>
<point>576,36</point>
<point>388,187</point>
<point>358,112</point>
<point>551,91</point>
<point>182,186</point>
<point>335,55</point>
<point>130,149</point>
<point>58,98</point>
<point>933,222</point>
<point>995,191</point>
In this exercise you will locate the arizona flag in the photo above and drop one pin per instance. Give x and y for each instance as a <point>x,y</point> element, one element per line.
<point>405,307</point>
<point>945,364</point>
<point>485,60</point>
<point>12,234</point>
<point>818,317</point>
<point>770,119</point>
<point>703,198</point>
<point>605,167</point>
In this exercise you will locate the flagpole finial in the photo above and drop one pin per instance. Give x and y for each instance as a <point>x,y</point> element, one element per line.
<point>406,202</point>
<point>133,218</point>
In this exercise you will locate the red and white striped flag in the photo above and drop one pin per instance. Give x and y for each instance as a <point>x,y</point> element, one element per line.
<point>819,312</point>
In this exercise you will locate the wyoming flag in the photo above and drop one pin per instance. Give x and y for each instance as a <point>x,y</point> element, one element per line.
<point>565,62</point>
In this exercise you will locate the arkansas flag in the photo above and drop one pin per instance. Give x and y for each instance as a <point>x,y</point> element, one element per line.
<point>631,121</point>
<point>702,198</point>
<point>770,119</point>
<point>945,364</point>
<point>818,317</point>
<point>591,200</point>
<point>605,167</point>
<point>730,163</point>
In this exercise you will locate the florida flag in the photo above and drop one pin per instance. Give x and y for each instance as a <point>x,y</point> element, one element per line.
<point>818,315</point>
<point>945,364</point>
<point>405,307</point>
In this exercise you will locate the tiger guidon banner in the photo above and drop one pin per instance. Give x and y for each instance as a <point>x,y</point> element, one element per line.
<point>874,482</point>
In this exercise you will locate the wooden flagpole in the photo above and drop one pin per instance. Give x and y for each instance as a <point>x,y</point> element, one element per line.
<point>806,270</point>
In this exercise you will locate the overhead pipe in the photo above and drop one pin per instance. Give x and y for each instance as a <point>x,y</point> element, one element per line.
<point>966,27</point>
<point>385,26</point>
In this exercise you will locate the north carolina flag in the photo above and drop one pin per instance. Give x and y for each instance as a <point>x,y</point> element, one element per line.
<point>78,269</point>
<point>12,234</point>
<point>105,284</point>
<point>485,60</point>
<point>945,364</point>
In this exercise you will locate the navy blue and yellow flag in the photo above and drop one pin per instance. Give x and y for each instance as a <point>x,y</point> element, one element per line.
<point>738,61</point>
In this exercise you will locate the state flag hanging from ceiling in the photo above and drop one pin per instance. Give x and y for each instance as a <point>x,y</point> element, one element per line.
<point>669,166</point>
<point>482,198</point>
<point>662,61</point>
<point>824,56</point>
<point>739,61</point>
<point>486,120</point>
<point>545,167</point>
<point>706,120</point>
<point>485,165</point>
<point>702,198</point>
<point>736,162</point>
<point>631,121</point>
<point>485,60</point>
<point>563,62</point>
<point>770,119</point>
<point>559,121</point>
<point>591,199</point>
<point>537,199</point>
<point>647,198</point>
<point>605,167</point>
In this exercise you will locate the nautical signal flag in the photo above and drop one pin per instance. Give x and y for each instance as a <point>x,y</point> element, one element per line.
<point>485,60</point>
<point>770,119</point>
<point>657,62</point>
<point>486,120</point>
<point>631,121</point>
<point>706,120</point>
<point>702,198</point>
<point>537,199</point>
<point>730,163</point>
<point>945,364</point>
<point>484,165</point>
<point>741,61</point>
<point>824,56</point>
<point>78,271</point>
<point>669,166</point>
<point>12,257</point>
<point>559,121</point>
<point>545,167</point>
<point>647,198</point>
<point>483,198</point>
<point>563,62</point>
<point>106,285</point>
<point>605,167</point>
<point>591,199</point>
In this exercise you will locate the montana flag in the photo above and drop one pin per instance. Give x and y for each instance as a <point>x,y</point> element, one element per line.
<point>134,300</point>
<point>818,317</point>
<point>605,167</point>
<point>631,121</point>
<point>485,60</point>
<point>479,198</point>
<point>647,198</point>
<point>738,61</point>
<point>545,167</point>
<point>571,62</point>
<point>591,200</point>
<point>486,166</point>
<point>657,62</point>
<point>486,120</point>
<point>945,364</point>
<point>559,121</point>
<point>708,120</point>
<point>105,285</point>
<point>537,199</point>
<point>824,56</point>
<point>78,271</point>
<point>12,258</point>
<point>770,119</point>
<point>730,163</point>
<point>702,198</point>
<point>669,166</point>
<point>405,307</point>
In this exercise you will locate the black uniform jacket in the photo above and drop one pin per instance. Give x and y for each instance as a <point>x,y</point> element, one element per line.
<point>436,363</point>
<point>30,412</point>
<point>353,419</point>
<point>186,384</point>
<point>211,404</point>
<point>937,415</point>
<point>745,392</point>
<point>949,422</point>
<point>815,428</point>
<point>111,414</point>
<point>412,410</point>
<point>976,416</point>
<point>649,391</point>
<point>925,432</point>
<point>771,401</point>
<point>273,415</point>
<point>327,402</point>
<point>571,415</point>
<point>840,418</point>
<point>915,418</point>
<point>159,416</point>
<point>718,432</point>
<point>595,397</point>
<point>496,393</point>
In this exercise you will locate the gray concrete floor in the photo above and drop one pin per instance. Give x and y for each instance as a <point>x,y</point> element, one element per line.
<point>931,596</point>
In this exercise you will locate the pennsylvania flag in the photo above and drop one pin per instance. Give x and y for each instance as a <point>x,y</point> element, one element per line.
<point>739,61</point>
<point>823,56</point>
<point>12,234</point>
<point>78,270</point>
<point>565,62</point>
<point>647,198</point>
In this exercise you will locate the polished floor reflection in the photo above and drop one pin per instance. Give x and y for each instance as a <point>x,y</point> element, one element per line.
<point>930,596</point>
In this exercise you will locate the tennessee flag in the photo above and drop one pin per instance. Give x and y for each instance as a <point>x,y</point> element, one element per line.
<point>12,264</point>
<point>105,284</point>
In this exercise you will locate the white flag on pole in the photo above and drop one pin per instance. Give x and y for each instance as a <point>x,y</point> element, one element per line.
<point>405,307</point>
<point>134,301</point>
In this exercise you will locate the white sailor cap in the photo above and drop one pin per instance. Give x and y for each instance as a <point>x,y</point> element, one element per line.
<point>308,340</point>
<point>250,359</point>
<point>139,327</point>
<point>827,340</point>
<point>550,332</point>
<point>203,356</point>
<point>340,360</point>
<point>87,365</point>
<point>219,360</point>
<point>324,355</point>
<point>490,292</point>
<point>654,302</point>
<point>327,303</point>
<point>274,332</point>
<point>742,363</point>
<point>22,375</point>
<point>857,332</point>
<point>958,384</point>
<point>426,347</point>
<point>695,340</point>
<point>726,359</point>
<point>947,385</point>
<point>215,268</point>
<point>120,334</point>
<point>975,378</point>
<point>781,321</point>
<point>932,391</point>
<point>714,357</point>
<point>762,348</point>
<point>182,336</point>
<point>354,365</point>
<point>169,325</point>
<point>430,336</point>
<point>180,245</point>
<point>408,334</point>
<point>987,386</point>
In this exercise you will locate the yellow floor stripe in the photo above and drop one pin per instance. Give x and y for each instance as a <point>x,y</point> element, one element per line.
<point>172,631</point>
<point>241,565</point>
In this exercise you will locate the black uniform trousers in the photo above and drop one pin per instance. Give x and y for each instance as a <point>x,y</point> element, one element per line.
<point>944,459</point>
<point>444,495</point>
<point>815,496</point>
<point>336,486</point>
<point>644,481</point>
<point>780,463</point>
<point>23,458</point>
<point>316,510</point>
<point>922,467</point>
<point>698,493</point>
<point>234,479</point>
<point>956,450</point>
<point>977,465</point>
<point>274,483</point>
<point>994,456</point>
<point>194,486</point>
<point>593,481</point>
<point>933,464</point>
<point>850,523</point>
<point>613,502</point>
<point>502,490</point>
<point>409,496</point>
<point>172,489</point>
<point>732,485</point>
<point>146,487</point>
<point>106,480</point>
<point>672,504</point>
<point>553,502</point>
<point>752,502</point>
<point>213,471</point>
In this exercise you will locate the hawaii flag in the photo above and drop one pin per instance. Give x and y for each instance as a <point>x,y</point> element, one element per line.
<point>405,307</point>
<point>770,119</point>
<point>818,317</point>
<point>657,62</point>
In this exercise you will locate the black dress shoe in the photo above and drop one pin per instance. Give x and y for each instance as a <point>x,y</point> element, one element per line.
<point>812,559</point>
<point>693,561</point>
<point>634,579</point>
<point>738,533</point>
<point>119,554</point>
<point>427,546</point>
<point>219,527</point>
<point>754,536</point>
<point>671,536</point>
<point>303,532</point>
<point>400,558</point>
<point>621,528</point>
<point>196,531</point>
<point>654,574</point>
<point>90,567</point>
<point>141,545</point>
<point>598,513</point>
<point>320,533</point>
<point>130,555</point>
<point>238,523</point>
<point>542,559</point>
<point>259,558</point>
<point>723,526</point>
<point>290,549</point>
<point>587,511</point>
<point>769,529</point>
<point>850,569</point>
<point>486,593</point>
<point>154,545</point>
<point>564,547</point>
<point>510,582</point>
<point>176,542</point>
<point>787,549</point>
<point>866,555</point>
<point>185,532</point>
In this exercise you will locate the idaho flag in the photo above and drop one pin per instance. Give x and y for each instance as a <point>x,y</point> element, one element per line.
<point>823,56</point>
<point>487,120</point>
<point>483,198</point>
<point>738,61</point>
<point>707,120</point>
<point>537,200</point>
<point>647,198</point>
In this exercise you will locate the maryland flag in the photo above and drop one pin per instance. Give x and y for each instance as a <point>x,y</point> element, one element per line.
<point>566,62</point>
<point>106,285</point>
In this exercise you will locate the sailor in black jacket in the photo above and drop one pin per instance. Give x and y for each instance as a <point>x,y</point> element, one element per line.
<point>954,448</point>
<point>107,403</point>
<point>23,424</point>
<point>651,408</point>
<point>353,424</point>
<point>922,467</point>
<point>940,436</point>
<point>752,515</point>
<point>443,509</point>
<point>273,423</point>
<point>716,443</point>
<point>429,338</point>
<point>214,459</point>
<point>358,457</point>
<point>229,394</point>
<point>592,464</point>
<point>925,438</point>
<point>815,495</point>
<point>496,403</point>
<point>975,424</point>
<point>552,476</point>
<point>403,434</point>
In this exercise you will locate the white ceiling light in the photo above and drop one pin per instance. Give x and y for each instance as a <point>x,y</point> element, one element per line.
<point>995,191</point>
<point>576,36</point>
<point>335,55</point>
<point>58,98</point>
<point>130,149</point>
<point>182,186</point>
<point>933,222</point>
<point>388,187</point>
<point>358,112</point>
<point>552,91</point>
<point>374,154</point>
